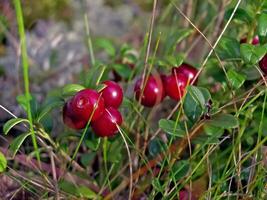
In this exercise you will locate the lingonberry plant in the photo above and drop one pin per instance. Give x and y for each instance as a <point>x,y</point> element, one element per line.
<point>88,106</point>
<point>176,110</point>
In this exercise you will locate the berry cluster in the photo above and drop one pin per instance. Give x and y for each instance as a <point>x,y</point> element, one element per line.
<point>99,108</point>
<point>158,87</point>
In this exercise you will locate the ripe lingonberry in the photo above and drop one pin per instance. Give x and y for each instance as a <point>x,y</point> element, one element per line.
<point>87,102</point>
<point>72,120</point>
<point>189,71</point>
<point>112,94</point>
<point>175,86</point>
<point>106,125</point>
<point>153,91</point>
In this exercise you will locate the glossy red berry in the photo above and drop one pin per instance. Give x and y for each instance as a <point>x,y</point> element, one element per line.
<point>189,71</point>
<point>255,40</point>
<point>175,86</point>
<point>112,94</point>
<point>263,64</point>
<point>106,125</point>
<point>153,92</point>
<point>72,120</point>
<point>87,101</point>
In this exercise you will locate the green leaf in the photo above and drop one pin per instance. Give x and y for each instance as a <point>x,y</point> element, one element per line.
<point>179,170</point>
<point>94,74</point>
<point>3,162</point>
<point>124,70</point>
<point>210,135</point>
<point>224,121</point>
<point>92,141</point>
<point>114,151</point>
<point>251,73</point>
<point>17,142</point>
<point>156,146</point>
<point>71,89</point>
<point>22,101</point>
<point>130,58</point>
<point>50,104</point>
<point>195,101</point>
<point>228,48</point>
<point>11,123</point>
<point>262,27</point>
<point>176,38</point>
<point>168,126</point>
<point>252,54</point>
<point>106,45</point>
<point>85,192</point>
<point>86,158</point>
<point>68,187</point>
<point>240,15</point>
<point>205,139</point>
<point>176,60</point>
<point>206,94</point>
<point>211,130</point>
<point>236,79</point>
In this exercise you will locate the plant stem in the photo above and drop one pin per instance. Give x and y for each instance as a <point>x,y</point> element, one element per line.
<point>25,66</point>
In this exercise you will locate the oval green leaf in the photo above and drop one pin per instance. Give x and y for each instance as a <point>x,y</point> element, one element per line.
<point>224,121</point>
<point>169,127</point>
<point>71,89</point>
<point>179,170</point>
<point>252,54</point>
<point>17,142</point>
<point>236,79</point>
<point>11,123</point>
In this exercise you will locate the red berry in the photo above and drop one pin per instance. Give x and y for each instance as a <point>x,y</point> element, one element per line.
<point>106,125</point>
<point>152,93</point>
<point>112,94</point>
<point>255,40</point>
<point>189,71</point>
<point>72,120</point>
<point>263,64</point>
<point>83,104</point>
<point>175,86</point>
